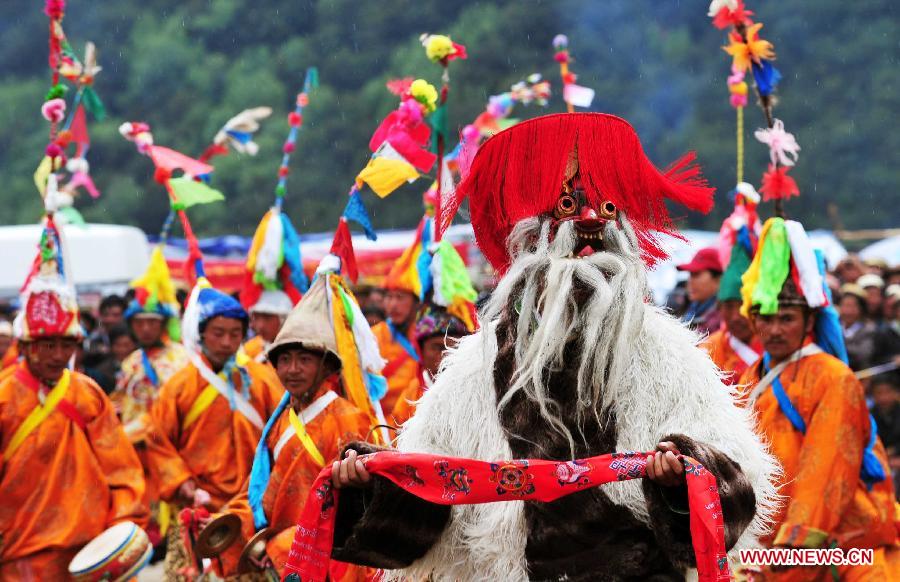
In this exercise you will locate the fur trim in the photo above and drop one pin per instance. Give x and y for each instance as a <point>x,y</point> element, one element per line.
<point>366,529</point>
<point>481,542</point>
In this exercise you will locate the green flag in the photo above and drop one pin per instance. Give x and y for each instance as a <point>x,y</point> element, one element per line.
<point>190,192</point>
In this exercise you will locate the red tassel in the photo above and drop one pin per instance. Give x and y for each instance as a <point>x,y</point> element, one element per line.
<point>342,246</point>
<point>776,184</point>
<point>518,173</point>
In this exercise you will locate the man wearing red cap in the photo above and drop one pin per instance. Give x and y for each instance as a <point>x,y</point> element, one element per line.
<point>571,361</point>
<point>68,471</point>
<point>704,271</point>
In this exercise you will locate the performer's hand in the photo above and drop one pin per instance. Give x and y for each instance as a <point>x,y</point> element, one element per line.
<point>349,472</point>
<point>664,467</point>
<point>262,561</point>
<point>186,492</point>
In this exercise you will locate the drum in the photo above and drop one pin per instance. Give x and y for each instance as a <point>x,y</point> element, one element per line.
<point>115,555</point>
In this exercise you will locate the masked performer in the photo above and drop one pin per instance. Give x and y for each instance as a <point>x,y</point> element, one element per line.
<point>571,361</point>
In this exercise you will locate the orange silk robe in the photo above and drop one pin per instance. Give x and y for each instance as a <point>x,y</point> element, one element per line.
<point>254,348</point>
<point>405,374</point>
<point>294,471</point>
<point>719,348</point>
<point>11,356</point>
<point>826,500</point>
<point>64,485</point>
<point>217,449</point>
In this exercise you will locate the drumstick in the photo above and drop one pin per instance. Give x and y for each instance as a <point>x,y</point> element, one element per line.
<point>875,370</point>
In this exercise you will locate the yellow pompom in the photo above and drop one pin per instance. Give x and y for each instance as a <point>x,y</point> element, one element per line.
<point>438,46</point>
<point>738,88</point>
<point>425,93</point>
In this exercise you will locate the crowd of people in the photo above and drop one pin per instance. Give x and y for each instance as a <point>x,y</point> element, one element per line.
<point>206,414</point>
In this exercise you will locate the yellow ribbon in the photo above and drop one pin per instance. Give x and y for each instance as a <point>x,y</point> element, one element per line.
<point>38,415</point>
<point>305,439</point>
<point>200,405</point>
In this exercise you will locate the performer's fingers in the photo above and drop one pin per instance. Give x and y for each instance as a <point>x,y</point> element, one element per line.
<point>677,467</point>
<point>650,472</point>
<point>351,470</point>
<point>667,446</point>
<point>336,474</point>
<point>361,474</point>
<point>661,467</point>
<point>665,472</point>
<point>344,470</point>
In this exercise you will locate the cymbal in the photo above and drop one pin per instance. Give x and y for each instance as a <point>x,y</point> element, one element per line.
<point>256,545</point>
<point>218,535</point>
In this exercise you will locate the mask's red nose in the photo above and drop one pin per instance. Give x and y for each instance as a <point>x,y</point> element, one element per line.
<point>588,219</point>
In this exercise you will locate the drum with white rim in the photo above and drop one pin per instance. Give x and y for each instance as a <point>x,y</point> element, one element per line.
<point>115,555</point>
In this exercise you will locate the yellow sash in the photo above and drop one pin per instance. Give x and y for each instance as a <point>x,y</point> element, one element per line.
<point>304,437</point>
<point>37,415</point>
<point>204,401</point>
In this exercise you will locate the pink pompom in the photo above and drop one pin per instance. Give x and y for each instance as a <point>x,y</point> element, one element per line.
<point>302,100</point>
<point>470,133</point>
<point>411,111</point>
<point>54,150</point>
<point>562,57</point>
<point>54,110</point>
<point>738,100</point>
<point>295,119</point>
<point>288,147</point>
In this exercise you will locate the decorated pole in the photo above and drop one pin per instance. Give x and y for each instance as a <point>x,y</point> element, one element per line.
<point>440,49</point>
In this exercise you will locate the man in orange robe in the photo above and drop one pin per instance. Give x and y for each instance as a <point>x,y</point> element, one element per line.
<point>68,471</point>
<point>396,335</point>
<point>308,430</point>
<point>436,330</point>
<point>208,419</point>
<point>267,316</point>
<point>812,411</point>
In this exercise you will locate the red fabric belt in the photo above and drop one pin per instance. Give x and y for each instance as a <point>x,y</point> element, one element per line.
<point>453,481</point>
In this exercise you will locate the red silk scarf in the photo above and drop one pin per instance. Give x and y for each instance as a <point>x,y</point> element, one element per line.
<point>452,481</point>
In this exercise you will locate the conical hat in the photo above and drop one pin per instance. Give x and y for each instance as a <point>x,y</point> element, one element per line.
<point>309,324</point>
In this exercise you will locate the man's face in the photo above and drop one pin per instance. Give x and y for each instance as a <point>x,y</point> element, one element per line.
<point>301,371</point>
<point>702,285</point>
<point>47,358</point>
<point>849,310</point>
<point>433,350</point>
<point>737,324</point>
<point>122,346</point>
<point>265,325</point>
<point>147,331</point>
<point>111,317</point>
<point>400,306</point>
<point>783,334</point>
<point>874,300</point>
<point>222,338</point>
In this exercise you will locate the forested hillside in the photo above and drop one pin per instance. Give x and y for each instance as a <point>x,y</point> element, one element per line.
<point>185,66</point>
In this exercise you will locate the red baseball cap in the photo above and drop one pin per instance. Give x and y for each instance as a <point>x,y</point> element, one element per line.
<point>705,260</point>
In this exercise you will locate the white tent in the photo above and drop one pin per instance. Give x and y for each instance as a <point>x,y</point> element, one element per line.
<point>887,249</point>
<point>101,255</point>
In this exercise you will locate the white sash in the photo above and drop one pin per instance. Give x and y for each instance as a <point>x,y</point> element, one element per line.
<point>766,381</point>
<point>242,404</point>
<point>308,413</point>
<point>747,354</point>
